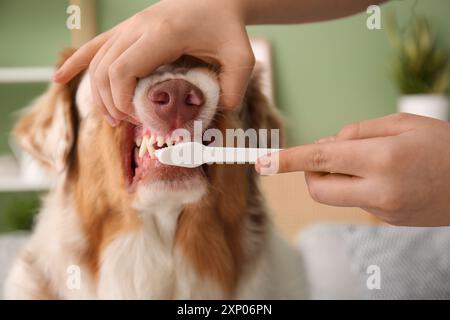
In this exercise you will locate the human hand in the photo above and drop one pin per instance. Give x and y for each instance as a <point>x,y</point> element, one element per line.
<point>211,30</point>
<point>396,167</point>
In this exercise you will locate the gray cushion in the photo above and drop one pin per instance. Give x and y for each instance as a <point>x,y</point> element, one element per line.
<point>414,263</point>
<point>327,263</point>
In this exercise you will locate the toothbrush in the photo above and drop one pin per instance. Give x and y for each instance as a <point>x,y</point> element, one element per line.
<point>194,154</point>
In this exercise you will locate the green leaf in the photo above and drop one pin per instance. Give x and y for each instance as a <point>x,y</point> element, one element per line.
<point>421,65</point>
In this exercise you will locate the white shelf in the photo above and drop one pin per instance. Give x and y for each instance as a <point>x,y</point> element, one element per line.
<point>15,184</point>
<point>11,179</point>
<point>32,74</point>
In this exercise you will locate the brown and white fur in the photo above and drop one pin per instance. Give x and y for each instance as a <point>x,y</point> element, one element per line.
<point>178,234</point>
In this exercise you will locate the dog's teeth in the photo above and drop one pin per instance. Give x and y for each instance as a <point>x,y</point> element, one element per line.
<point>151,151</point>
<point>139,141</point>
<point>143,147</point>
<point>159,141</point>
<point>169,141</point>
<point>150,145</point>
<point>152,139</point>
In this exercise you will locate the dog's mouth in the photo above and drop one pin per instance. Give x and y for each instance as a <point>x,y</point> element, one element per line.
<point>141,164</point>
<point>168,105</point>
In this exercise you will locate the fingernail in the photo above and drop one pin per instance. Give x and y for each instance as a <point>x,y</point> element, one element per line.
<point>265,161</point>
<point>262,163</point>
<point>113,122</point>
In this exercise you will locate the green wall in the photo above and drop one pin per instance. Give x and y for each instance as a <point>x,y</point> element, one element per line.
<point>31,34</point>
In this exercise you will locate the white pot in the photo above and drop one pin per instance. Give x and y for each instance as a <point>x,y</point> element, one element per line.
<point>428,105</point>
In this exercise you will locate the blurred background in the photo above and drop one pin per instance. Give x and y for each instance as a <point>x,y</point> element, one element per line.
<point>325,75</point>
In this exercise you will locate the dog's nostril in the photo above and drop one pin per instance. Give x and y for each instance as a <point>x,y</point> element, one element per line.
<point>175,101</point>
<point>160,97</point>
<point>193,99</point>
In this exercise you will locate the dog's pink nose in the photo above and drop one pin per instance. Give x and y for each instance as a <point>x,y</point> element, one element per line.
<point>176,101</point>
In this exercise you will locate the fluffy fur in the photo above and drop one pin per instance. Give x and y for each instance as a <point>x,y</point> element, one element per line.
<point>199,236</point>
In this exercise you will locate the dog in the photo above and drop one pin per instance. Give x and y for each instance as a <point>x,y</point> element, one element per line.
<point>120,225</point>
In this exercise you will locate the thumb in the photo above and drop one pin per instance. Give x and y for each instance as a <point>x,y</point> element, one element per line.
<point>80,59</point>
<point>234,77</point>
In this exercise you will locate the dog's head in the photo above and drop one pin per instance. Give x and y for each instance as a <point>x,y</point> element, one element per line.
<point>104,166</point>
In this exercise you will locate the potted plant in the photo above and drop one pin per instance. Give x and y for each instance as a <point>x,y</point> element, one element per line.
<point>421,69</point>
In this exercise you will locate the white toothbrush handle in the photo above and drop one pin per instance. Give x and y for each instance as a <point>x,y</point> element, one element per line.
<point>234,155</point>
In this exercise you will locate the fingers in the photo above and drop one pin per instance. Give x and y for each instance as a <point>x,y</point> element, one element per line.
<point>235,74</point>
<point>391,125</point>
<point>338,190</point>
<point>80,59</point>
<point>95,79</point>
<point>99,54</point>
<point>346,157</point>
<point>100,71</point>
<point>135,62</point>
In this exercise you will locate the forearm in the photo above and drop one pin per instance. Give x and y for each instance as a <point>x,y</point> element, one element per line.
<point>299,11</point>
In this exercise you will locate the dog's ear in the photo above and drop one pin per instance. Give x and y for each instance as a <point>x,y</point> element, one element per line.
<point>46,129</point>
<point>259,113</point>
